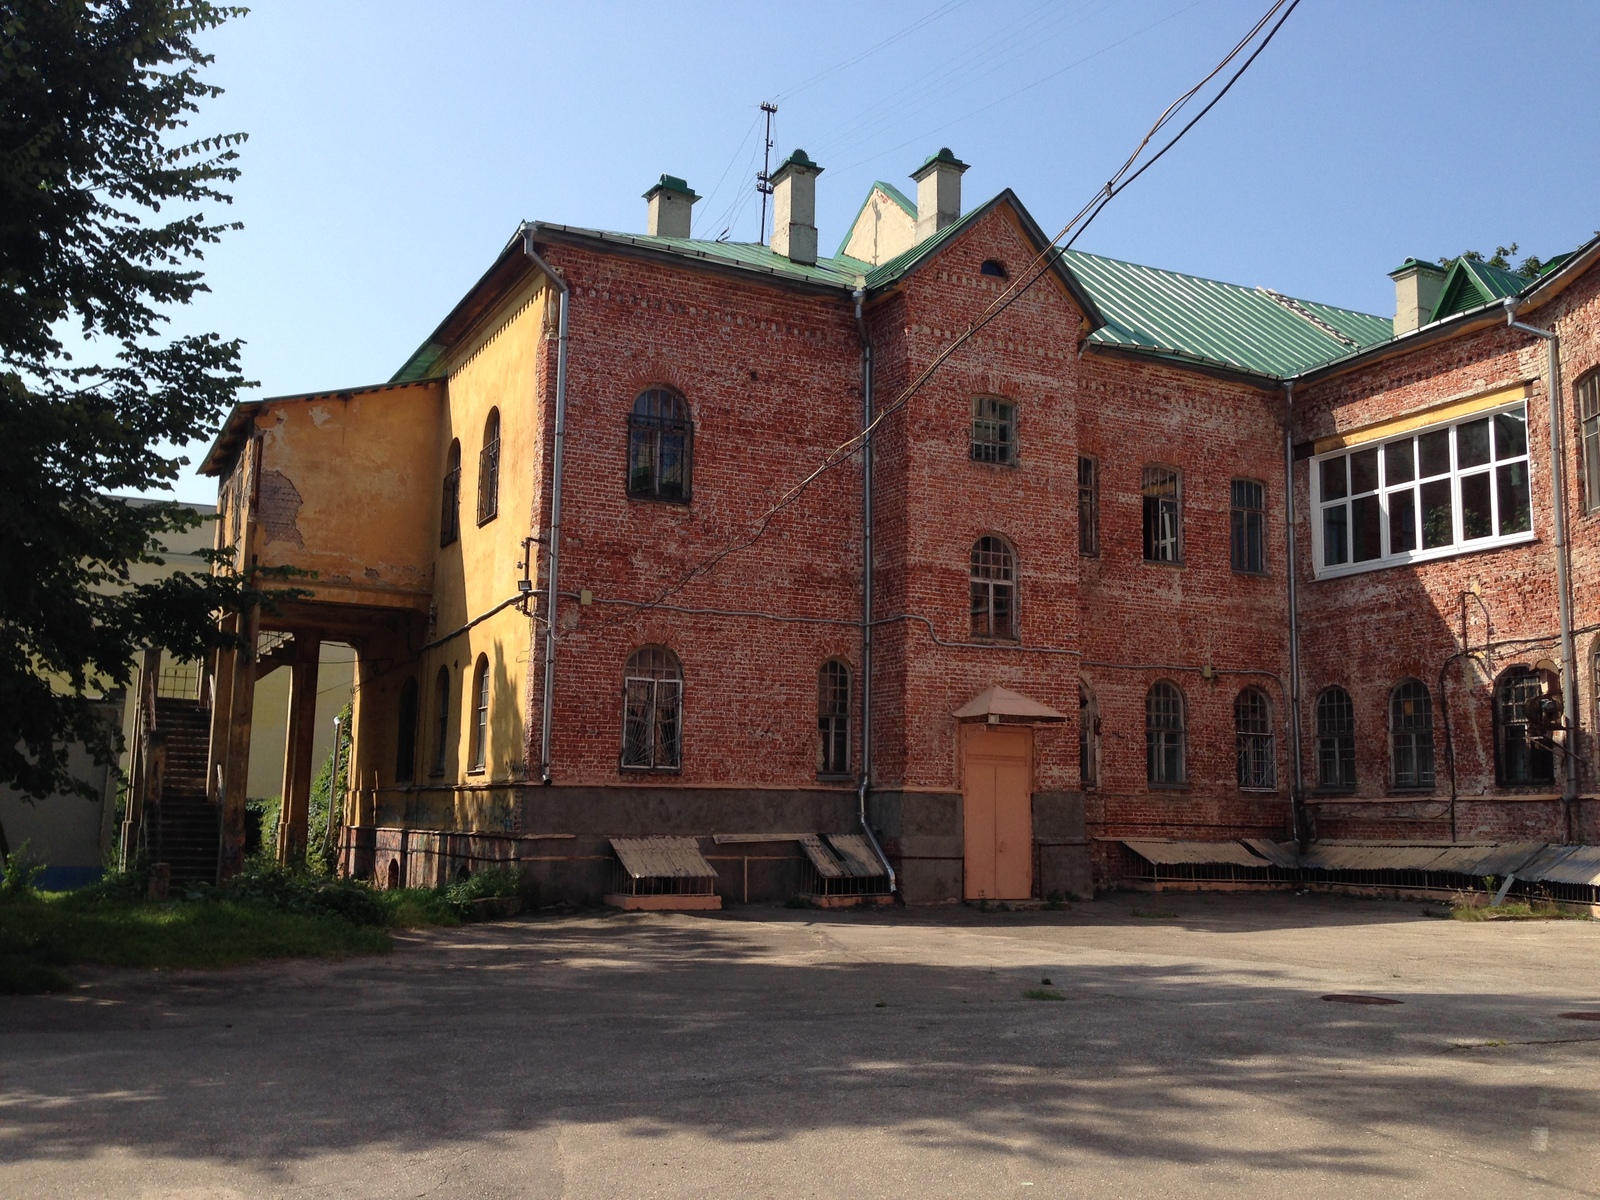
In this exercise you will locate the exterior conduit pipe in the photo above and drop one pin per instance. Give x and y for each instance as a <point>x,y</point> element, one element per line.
<point>1302,835</point>
<point>866,584</point>
<point>1558,502</point>
<point>553,559</point>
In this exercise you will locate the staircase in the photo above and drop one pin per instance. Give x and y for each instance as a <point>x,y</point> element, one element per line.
<point>183,830</point>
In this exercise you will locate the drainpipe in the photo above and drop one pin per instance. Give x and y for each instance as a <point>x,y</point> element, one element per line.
<point>554,559</point>
<point>1558,502</point>
<point>866,584</point>
<point>1297,795</point>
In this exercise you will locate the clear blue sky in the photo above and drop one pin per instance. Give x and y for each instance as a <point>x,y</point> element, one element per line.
<point>394,147</point>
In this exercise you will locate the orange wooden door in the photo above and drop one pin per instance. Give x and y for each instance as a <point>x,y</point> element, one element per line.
<point>997,804</point>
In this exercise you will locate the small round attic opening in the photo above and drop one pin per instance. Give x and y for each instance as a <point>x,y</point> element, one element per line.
<point>993,266</point>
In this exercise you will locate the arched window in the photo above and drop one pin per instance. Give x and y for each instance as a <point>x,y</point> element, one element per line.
<point>652,711</point>
<point>489,470</point>
<point>1163,514</point>
<point>480,714</point>
<point>833,717</point>
<point>1164,734</point>
<point>441,717</point>
<point>405,755</point>
<point>1411,735</point>
<point>1088,737</point>
<point>660,445</point>
<point>1519,758</point>
<point>993,589</point>
<point>1336,739</point>
<point>993,266</point>
<point>1587,394</point>
<point>450,500</point>
<point>1253,740</point>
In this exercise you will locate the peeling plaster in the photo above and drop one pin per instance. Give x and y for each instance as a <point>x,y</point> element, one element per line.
<point>279,509</point>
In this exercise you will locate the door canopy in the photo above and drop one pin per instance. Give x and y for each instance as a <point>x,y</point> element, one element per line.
<point>1001,706</point>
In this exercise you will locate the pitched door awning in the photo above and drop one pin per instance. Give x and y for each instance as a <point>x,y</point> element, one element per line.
<point>1001,706</point>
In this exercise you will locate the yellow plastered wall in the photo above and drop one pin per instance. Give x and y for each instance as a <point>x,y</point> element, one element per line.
<point>882,230</point>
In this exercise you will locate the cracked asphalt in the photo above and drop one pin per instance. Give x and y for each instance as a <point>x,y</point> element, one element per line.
<point>771,1052</point>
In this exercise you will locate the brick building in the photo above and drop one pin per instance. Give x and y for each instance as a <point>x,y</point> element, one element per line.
<point>1067,598</point>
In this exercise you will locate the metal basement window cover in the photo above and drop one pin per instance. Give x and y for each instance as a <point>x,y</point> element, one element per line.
<point>1167,854</point>
<point>843,855</point>
<point>663,858</point>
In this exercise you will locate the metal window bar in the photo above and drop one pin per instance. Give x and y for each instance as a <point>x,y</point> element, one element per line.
<point>1252,718</point>
<point>1521,759</point>
<point>179,679</point>
<point>1336,739</point>
<point>1411,735</point>
<point>660,440</point>
<point>994,432</point>
<point>450,507</point>
<point>1088,507</point>
<point>489,477</point>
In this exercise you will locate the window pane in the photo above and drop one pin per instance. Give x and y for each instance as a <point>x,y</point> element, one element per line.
<point>1399,462</point>
<point>1438,524</point>
<point>1333,478</point>
<point>671,483</point>
<point>1433,453</point>
<point>1472,443</point>
<point>1515,514</point>
<point>1510,434</point>
<point>1364,543</point>
<point>1364,471</point>
<point>1591,463</point>
<point>1477,521</point>
<point>642,462</point>
<point>1402,521</point>
<point>1335,543</point>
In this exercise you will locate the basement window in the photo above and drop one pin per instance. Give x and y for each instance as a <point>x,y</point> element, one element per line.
<point>1429,494</point>
<point>994,430</point>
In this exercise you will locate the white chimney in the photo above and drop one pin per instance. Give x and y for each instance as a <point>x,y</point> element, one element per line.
<point>670,203</point>
<point>1417,285</point>
<point>794,208</point>
<point>938,192</point>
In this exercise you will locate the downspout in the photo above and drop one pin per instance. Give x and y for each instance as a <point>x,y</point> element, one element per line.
<point>1302,835</point>
<point>1558,502</point>
<point>866,585</point>
<point>554,544</point>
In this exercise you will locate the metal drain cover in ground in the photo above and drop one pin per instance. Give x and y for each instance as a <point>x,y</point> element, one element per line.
<point>1581,1016</point>
<point>1341,999</point>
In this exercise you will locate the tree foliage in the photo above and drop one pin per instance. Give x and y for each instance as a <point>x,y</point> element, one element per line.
<point>103,220</point>
<point>1501,258</point>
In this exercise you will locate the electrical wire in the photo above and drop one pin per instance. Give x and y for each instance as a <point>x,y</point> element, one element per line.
<point>920,23</point>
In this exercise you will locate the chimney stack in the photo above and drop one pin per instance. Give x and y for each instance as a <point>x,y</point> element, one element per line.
<point>938,192</point>
<point>794,208</point>
<point>1417,285</point>
<point>670,203</point>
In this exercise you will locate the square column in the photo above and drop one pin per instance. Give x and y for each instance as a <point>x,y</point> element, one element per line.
<point>297,750</point>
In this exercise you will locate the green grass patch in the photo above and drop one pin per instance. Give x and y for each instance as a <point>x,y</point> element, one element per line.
<point>1042,994</point>
<point>1513,911</point>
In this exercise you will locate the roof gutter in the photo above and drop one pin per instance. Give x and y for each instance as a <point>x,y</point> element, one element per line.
<point>552,589</point>
<point>1558,504</point>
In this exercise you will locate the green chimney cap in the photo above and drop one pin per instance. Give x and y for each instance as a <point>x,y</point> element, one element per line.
<point>942,159</point>
<point>1417,264</point>
<point>797,160</point>
<point>671,183</point>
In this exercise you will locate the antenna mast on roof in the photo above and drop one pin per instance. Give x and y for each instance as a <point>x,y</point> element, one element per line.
<point>764,180</point>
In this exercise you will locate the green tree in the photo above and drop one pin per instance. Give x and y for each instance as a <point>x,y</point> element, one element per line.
<point>1501,258</point>
<point>103,193</point>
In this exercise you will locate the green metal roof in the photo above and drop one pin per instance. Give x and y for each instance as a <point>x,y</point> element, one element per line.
<point>1247,329</point>
<point>1472,284</point>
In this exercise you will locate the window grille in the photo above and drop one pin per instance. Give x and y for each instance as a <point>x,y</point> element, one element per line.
<point>1088,737</point>
<point>1518,758</point>
<point>652,711</point>
<point>994,430</point>
<point>1252,725</point>
<point>1336,739</point>
<point>489,470</point>
<point>1164,734</point>
<point>450,500</point>
<point>1411,735</point>
<point>1248,527</point>
<point>1088,507</point>
<point>1588,395</point>
<point>833,718</point>
<point>993,589</point>
<point>1432,493</point>
<point>1163,530</point>
<point>178,678</point>
<point>441,733</point>
<point>405,756</point>
<point>480,714</point>
<point>660,445</point>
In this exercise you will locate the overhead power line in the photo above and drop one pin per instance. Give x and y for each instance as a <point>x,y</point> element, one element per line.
<point>1041,264</point>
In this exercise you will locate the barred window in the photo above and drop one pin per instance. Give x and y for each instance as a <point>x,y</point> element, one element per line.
<point>405,755</point>
<point>1411,735</point>
<point>480,714</point>
<point>1519,758</point>
<point>1248,527</point>
<point>994,430</point>
<point>660,445</point>
<point>1163,528</point>
<point>489,470</point>
<point>1164,734</point>
<point>450,501</point>
<point>1088,507</point>
<point>441,733</point>
<point>1336,739</point>
<point>1252,730</point>
<point>652,711</point>
<point>1088,737</point>
<point>1588,396</point>
<point>833,718</point>
<point>993,589</point>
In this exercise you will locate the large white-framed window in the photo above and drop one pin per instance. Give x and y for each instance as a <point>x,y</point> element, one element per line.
<point>1429,493</point>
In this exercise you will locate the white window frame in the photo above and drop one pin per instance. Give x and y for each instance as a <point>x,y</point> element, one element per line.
<point>1457,545</point>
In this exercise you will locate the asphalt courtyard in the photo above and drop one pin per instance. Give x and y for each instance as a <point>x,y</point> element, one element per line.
<point>770,1052</point>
